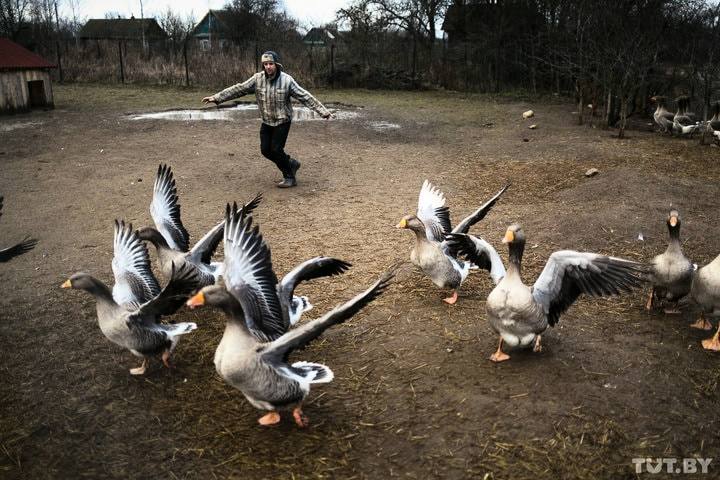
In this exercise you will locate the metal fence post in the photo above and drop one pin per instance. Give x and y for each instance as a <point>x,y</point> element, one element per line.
<point>122,68</point>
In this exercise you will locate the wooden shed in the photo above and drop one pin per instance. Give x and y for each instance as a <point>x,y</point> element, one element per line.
<point>24,79</point>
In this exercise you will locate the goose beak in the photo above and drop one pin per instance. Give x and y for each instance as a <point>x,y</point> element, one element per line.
<point>509,237</point>
<point>66,284</point>
<point>673,221</point>
<point>197,301</point>
<point>402,224</point>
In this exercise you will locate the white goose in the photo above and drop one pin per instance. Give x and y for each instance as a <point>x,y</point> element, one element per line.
<point>432,253</point>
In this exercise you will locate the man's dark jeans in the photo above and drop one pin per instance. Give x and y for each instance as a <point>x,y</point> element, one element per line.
<point>272,144</point>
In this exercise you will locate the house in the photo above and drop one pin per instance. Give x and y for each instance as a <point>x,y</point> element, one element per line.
<point>323,37</point>
<point>218,28</point>
<point>24,79</point>
<point>126,30</point>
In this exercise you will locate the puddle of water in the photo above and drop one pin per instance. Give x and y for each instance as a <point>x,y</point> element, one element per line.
<point>380,126</point>
<point>243,111</point>
<point>7,127</point>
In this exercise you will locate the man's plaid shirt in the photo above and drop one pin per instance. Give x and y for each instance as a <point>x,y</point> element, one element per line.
<point>273,96</point>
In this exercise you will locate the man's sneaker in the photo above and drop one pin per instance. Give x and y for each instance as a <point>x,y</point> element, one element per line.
<point>287,183</point>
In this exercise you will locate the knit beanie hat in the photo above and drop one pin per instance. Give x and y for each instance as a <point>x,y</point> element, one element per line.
<point>271,56</point>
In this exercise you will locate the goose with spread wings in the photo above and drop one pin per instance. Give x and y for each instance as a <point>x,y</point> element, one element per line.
<point>520,314</point>
<point>129,314</point>
<point>662,116</point>
<point>170,237</point>
<point>281,307</point>
<point>431,253</point>
<point>19,248</point>
<point>683,121</point>
<point>260,368</point>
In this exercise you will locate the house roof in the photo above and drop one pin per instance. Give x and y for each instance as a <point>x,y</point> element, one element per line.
<point>122,28</point>
<point>14,56</point>
<point>320,36</point>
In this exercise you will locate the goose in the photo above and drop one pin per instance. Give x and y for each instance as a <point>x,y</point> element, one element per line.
<point>431,252</point>
<point>281,307</point>
<point>260,368</point>
<point>520,314</point>
<point>705,294</point>
<point>662,116</point>
<point>714,122</point>
<point>25,245</point>
<point>713,125</point>
<point>170,238</point>
<point>129,314</point>
<point>683,124</point>
<point>671,272</point>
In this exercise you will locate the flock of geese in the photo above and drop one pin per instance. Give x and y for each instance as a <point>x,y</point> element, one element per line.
<point>682,122</point>
<point>262,313</point>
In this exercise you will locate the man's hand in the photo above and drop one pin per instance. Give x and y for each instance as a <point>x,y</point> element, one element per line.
<point>209,99</point>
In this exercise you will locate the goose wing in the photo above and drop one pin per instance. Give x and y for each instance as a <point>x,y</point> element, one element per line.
<point>478,214</point>
<point>568,273</point>
<point>248,262</point>
<point>183,281</point>
<point>277,352</point>
<point>25,245</point>
<point>433,212</point>
<point>165,210</point>
<point>479,252</point>
<point>205,248</point>
<point>309,269</point>
<point>135,283</point>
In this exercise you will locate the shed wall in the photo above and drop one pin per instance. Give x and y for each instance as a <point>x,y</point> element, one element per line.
<point>14,94</point>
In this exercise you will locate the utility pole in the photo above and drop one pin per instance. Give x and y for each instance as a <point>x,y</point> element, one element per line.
<point>57,42</point>
<point>142,27</point>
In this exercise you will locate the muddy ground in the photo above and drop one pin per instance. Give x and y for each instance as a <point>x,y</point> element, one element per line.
<point>414,394</point>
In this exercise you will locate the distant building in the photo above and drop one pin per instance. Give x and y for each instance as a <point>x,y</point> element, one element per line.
<point>24,79</point>
<point>323,37</point>
<point>219,28</point>
<point>125,29</point>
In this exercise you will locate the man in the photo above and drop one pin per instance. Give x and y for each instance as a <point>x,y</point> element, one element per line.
<point>273,89</point>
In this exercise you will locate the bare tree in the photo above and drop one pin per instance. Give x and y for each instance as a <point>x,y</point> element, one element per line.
<point>12,14</point>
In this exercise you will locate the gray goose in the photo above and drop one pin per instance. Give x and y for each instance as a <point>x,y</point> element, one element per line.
<point>282,308</point>
<point>129,314</point>
<point>713,125</point>
<point>432,253</point>
<point>662,116</point>
<point>170,237</point>
<point>260,368</point>
<point>683,123</point>
<point>670,272</point>
<point>520,314</point>
<point>19,248</point>
<point>705,294</point>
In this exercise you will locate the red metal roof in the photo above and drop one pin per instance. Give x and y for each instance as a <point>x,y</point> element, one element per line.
<point>14,56</point>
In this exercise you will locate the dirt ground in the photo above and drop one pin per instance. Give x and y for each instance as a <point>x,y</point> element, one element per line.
<point>414,394</point>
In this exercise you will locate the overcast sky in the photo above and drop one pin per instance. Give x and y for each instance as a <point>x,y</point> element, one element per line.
<point>308,12</point>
